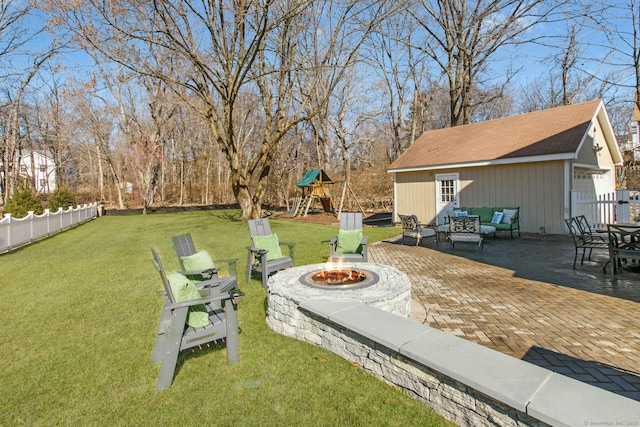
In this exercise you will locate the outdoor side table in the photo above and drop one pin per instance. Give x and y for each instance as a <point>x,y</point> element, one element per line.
<point>484,229</point>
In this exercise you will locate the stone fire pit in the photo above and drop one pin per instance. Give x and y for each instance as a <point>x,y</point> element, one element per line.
<point>287,288</point>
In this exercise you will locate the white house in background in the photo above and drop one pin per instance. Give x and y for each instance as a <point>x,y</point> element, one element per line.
<point>39,169</point>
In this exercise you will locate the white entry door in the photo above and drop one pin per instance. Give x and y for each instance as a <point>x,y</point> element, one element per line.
<point>446,195</point>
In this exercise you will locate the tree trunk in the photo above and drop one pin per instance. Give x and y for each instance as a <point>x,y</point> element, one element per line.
<point>100,175</point>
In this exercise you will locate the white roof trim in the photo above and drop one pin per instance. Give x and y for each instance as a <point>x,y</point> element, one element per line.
<point>590,167</point>
<point>513,160</point>
<point>601,117</point>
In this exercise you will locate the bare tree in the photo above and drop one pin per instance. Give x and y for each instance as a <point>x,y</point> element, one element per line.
<point>96,116</point>
<point>12,138</point>
<point>51,118</point>
<point>402,70</point>
<point>619,24</point>
<point>462,37</point>
<point>15,77</point>
<point>565,81</point>
<point>227,50</point>
<point>431,108</point>
<point>14,34</point>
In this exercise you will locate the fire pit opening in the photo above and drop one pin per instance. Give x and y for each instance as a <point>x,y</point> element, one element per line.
<point>340,278</point>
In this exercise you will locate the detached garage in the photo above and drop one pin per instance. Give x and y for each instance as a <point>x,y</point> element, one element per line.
<point>531,161</point>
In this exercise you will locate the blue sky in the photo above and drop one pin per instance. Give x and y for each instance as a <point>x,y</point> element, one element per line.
<point>533,60</point>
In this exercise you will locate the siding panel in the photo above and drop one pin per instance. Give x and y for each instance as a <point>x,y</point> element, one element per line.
<point>537,188</point>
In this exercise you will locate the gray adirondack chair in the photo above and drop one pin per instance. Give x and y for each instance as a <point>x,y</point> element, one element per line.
<point>183,246</point>
<point>257,258</point>
<point>350,221</point>
<point>174,335</point>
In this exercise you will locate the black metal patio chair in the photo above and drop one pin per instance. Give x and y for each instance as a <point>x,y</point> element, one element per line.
<point>583,241</point>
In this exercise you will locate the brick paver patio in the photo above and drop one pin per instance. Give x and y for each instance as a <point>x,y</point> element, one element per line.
<point>523,298</point>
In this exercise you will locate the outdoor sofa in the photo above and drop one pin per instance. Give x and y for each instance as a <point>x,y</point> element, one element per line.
<point>510,220</point>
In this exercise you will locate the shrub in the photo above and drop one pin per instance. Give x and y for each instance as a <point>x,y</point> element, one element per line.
<point>62,198</point>
<point>23,200</point>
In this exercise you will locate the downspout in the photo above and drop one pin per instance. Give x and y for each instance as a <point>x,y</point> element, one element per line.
<point>394,212</point>
<point>568,185</point>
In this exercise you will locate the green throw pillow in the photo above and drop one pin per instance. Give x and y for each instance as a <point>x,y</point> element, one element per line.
<point>184,290</point>
<point>268,243</point>
<point>198,261</point>
<point>349,241</point>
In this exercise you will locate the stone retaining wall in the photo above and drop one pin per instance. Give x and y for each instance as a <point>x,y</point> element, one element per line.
<point>466,383</point>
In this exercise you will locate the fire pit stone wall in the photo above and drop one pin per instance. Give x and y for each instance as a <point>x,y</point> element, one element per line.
<point>391,293</point>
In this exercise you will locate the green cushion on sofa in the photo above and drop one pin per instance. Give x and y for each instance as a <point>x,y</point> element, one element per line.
<point>349,241</point>
<point>198,261</point>
<point>269,243</point>
<point>183,289</point>
<point>502,226</point>
<point>485,214</point>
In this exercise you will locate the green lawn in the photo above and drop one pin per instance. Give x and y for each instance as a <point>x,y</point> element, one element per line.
<point>79,313</point>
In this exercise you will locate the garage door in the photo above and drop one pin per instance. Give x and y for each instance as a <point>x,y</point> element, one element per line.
<point>592,182</point>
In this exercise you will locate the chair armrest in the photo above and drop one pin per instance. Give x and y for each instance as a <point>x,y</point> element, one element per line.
<point>236,295</point>
<point>217,284</point>
<point>333,241</point>
<point>364,241</point>
<point>201,274</point>
<point>205,300</point>
<point>291,247</point>
<point>256,251</point>
<point>260,252</point>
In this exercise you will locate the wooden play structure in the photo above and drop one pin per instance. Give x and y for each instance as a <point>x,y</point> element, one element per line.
<point>315,185</point>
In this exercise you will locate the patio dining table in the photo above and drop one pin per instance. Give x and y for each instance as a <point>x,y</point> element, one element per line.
<point>624,242</point>
<point>631,228</point>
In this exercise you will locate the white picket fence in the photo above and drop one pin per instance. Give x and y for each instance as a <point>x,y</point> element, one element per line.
<point>623,206</point>
<point>16,232</point>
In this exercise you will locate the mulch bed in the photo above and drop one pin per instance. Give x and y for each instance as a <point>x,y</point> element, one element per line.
<point>316,217</point>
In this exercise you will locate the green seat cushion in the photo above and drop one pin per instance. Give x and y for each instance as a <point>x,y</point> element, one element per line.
<point>183,289</point>
<point>485,214</point>
<point>502,226</point>
<point>349,241</point>
<point>269,243</point>
<point>198,261</point>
